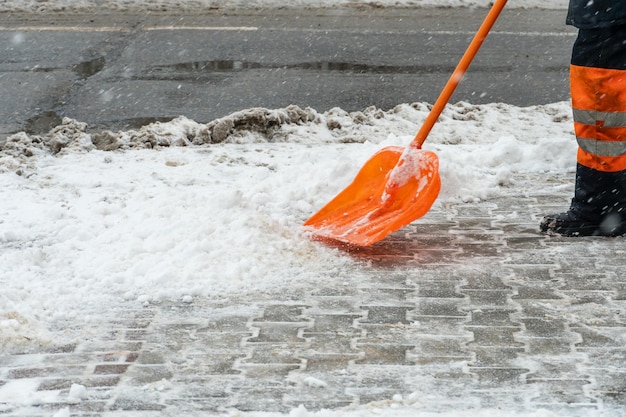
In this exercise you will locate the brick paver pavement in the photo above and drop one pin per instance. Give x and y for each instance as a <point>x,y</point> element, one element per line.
<point>469,308</point>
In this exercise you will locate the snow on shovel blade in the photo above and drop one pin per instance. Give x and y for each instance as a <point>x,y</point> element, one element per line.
<point>395,186</point>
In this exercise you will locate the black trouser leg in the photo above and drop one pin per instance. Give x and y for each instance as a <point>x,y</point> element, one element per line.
<point>598,194</point>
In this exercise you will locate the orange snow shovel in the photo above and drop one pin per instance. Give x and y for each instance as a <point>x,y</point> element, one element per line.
<point>397,185</point>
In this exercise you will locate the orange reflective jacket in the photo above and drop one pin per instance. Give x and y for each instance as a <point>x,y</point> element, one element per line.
<point>599,108</point>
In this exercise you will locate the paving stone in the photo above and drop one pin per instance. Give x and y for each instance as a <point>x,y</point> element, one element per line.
<point>111,346</point>
<point>218,342</point>
<point>581,280</point>
<point>554,391</point>
<point>278,371</point>
<point>480,249</point>
<point>529,274</point>
<point>614,400</point>
<point>496,376</point>
<point>55,384</point>
<point>494,335</point>
<point>119,357</point>
<point>605,359</point>
<point>477,298</point>
<point>329,362</point>
<point>151,357</point>
<point>229,324</point>
<point>136,403</point>
<point>197,406</point>
<point>493,399</point>
<point>537,308</point>
<point>87,407</point>
<point>270,354</point>
<point>620,291</point>
<point>331,342</point>
<point>443,326</point>
<point>204,388</point>
<point>110,369</point>
<point>333,323</point>
<point>439,307</point>
<point>384,354</point>
<point>487,281</point>
<point>596,338</point>
<point>138,335</point>
<point>210,364</point>
<point>491,317</point>
<point>433,256</point>
<point>547,346</point>
<point>318,403</point>
<point>438,349</point>
<point>546,367</point>
<point>439,289</point>
<point>335,305</point>
<point>538,291</point>
<point>609,382</point>
<point>262,397</point>
<point>269,332</point>
<point>535,327</point>
<point>84,408</point>
<point>101,381</point>
<point>145,374</point>
<point>24,373</point>
<point>282,313</point>
<point>317,393</point>
<point>470,309</point>
<point>387,334</point>
<point>490,356</point>
<point>386,314</point>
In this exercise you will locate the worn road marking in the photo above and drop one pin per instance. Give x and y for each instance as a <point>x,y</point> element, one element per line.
<point>121,29</point>
<point>64,29</point>
<point>256,28</point>
<point>207,28</point>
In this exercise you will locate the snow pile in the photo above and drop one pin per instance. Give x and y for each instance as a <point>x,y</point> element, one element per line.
<point>197,6</point>
<point>180,210</point>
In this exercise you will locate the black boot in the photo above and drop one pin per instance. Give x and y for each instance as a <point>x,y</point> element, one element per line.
<point>598,207</point>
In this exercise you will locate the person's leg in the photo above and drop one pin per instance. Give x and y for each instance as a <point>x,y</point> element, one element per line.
<point>598,88</point>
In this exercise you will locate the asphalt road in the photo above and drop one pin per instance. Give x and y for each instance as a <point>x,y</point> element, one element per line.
<point>122,71</point>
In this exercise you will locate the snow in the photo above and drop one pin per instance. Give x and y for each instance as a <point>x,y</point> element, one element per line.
<point>180,210</point>
<point>168,215</point>
<point>82,225</point>
<point>77,394</point>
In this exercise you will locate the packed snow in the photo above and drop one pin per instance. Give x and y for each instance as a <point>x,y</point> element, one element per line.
<point>180,210</point>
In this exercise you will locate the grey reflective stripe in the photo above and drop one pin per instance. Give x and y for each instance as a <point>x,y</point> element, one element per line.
<point>610,119</point>
<point>586,117</point>
<point>601,148</point>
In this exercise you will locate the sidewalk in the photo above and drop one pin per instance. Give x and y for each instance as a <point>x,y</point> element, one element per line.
<point>468,309</point>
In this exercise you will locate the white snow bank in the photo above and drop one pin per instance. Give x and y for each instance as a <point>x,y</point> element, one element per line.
<point>168,214</point>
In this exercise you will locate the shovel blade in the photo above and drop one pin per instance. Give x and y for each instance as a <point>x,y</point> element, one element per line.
<point>395,187</point>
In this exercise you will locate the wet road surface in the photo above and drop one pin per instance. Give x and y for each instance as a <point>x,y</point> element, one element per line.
<point>122,71</point>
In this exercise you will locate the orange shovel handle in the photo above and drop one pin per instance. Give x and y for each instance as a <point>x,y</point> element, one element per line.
<point>458,73</point>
